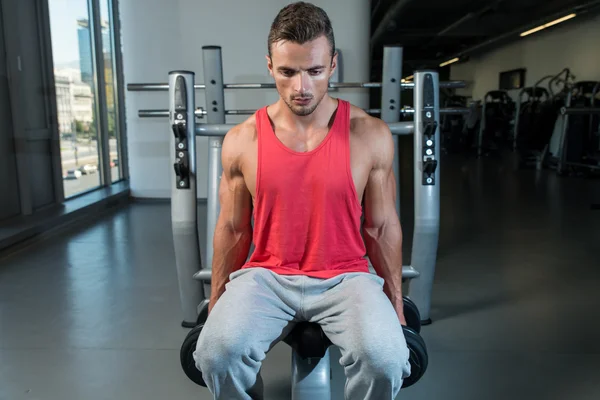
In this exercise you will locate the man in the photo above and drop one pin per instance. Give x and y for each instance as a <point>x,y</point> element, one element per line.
<point>304,168</point>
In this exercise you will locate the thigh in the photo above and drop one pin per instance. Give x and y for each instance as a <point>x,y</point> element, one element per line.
<point>358,317</point>
<point>255,312</point>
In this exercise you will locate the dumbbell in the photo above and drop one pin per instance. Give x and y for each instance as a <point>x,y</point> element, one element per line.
<point>418,357</point>
<point>186,355</point>
<point>411,314</point>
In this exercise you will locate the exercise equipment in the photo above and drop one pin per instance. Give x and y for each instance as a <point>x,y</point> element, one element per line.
<point>184,212</point>
<point>453,133</point>
<point>411,314</point>
<point>534,124</point>
<point>580,140</point>
<point>559,87</point>
<point>310,351</point>
<point>494,128</point>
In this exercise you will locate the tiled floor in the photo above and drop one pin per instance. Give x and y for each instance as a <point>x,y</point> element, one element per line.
<point>94,314</point>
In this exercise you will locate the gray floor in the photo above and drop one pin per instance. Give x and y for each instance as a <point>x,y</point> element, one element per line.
<point>94,314</point>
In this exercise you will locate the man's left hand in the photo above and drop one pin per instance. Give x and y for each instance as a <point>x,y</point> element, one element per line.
<point>399,307</point>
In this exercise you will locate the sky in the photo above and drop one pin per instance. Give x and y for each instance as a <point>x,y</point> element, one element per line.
<point>63,25</point>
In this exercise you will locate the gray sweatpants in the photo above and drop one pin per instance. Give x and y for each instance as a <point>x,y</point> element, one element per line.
<point>259,308</point>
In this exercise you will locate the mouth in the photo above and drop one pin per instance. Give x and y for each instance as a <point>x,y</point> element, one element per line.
<point>302,101</point>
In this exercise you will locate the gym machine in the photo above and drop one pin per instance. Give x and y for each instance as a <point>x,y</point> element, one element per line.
<point>496,114</point>
<point>311,365</point>
<point>534,124</point>
<point>310,357</point>
<point>580,137</point>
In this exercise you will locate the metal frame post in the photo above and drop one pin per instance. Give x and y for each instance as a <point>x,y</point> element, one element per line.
<point>215,114</point>
<point>562,149</point>
<point>311,377</point>
<point>184,210</point>
<point>100,95</point>
<point>517,118</point>
<point>427,188</point>
<point>390,101</point>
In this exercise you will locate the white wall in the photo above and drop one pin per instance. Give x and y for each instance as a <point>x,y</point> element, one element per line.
<point>171,37</point>
<point>573,45</point>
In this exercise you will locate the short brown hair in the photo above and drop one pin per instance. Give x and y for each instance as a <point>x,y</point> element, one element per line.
<point>301,22</point>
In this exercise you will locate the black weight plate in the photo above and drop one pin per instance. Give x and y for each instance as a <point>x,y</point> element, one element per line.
<point>411,314</point>
<point>418,356</point>
<point>186,356</point>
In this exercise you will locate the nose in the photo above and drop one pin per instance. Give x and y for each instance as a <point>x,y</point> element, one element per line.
<point>301,82</point>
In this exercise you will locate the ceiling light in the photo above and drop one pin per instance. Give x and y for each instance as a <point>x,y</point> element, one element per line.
<point>449,62</point>
<point>556,21</point>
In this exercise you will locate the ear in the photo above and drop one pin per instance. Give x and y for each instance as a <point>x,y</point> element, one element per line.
<point>334,61</point>
<point>269,64</point>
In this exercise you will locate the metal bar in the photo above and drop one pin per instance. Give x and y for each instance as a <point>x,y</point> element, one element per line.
<point>249,86</point>
<point>448,110</point>
<point>580,110</point>
<point>562,152</point>
<point>453,84</point>
<point>454,110</point>
<point>368,85</point>
<point>397,128</point>
<point>151,87</point>
<point>215,103</point>
<point>184,211</point>
<point>426,188</point>
<point>445,84</point>
<point>402,128</point>
<point>200,112</point>
<point>239,112</point>
<point>517,119</point>
<point>213,129</point>
<point>119,92</point>
<point>408,272</point>
<point>390,102</point>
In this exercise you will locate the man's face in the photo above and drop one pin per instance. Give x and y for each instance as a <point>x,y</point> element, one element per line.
<point>302,72</point>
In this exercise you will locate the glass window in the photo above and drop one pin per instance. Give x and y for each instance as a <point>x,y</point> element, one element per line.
<point>75,94</point>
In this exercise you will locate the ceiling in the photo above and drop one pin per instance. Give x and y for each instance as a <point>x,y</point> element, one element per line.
<point>433,31</point>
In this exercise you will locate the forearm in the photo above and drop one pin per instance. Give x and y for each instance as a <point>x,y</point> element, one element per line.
<point>230,251</point>
<point>384,248</point>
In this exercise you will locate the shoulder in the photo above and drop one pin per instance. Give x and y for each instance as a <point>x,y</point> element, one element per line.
<point>372,133</point>
<point>366,126</point>
<point>237,141</point>
<point>242,133</point>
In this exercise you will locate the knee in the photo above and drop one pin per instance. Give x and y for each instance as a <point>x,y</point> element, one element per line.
<point>385,362</point>
<point>216,353</point>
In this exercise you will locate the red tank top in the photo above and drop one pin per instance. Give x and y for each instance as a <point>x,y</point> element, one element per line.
<point>307,214</point>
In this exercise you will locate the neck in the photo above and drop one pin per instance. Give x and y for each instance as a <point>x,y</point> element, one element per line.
<point>319,117</point>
